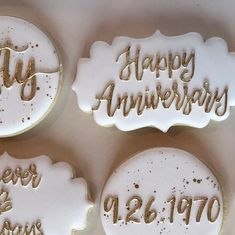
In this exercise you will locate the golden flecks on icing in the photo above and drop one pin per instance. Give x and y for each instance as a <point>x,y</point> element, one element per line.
<point>30,76</point>
<point>162,191</point>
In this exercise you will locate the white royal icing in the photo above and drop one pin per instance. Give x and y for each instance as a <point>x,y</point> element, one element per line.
<point>43,196</point>
<point>158,81</point>
<point>162,191</point>
<point>24,102</point>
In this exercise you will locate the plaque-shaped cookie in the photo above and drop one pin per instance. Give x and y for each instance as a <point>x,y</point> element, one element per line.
<point>41,198</point>
<point>30,77</point>
<point>162,191</point>
<point>158,81</point>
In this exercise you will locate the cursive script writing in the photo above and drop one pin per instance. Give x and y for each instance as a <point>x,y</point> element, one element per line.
<point>156,63</point>
<point>9,228</point>
<point>28,82</point>
<point>29,78</point>
<point>5,201</point>
<point>166,98</point>
<point>25,177</point>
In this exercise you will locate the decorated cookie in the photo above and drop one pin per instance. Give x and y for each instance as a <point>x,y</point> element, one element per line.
<point>40,198</point>
<point>162,191</point>
<point>30,77</point>
<point>158,81</point>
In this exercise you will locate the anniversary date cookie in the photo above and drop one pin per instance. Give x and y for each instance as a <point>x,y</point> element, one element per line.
<point>38,197</point>
<point>162,191</point>
<point>30,75</point>
<point>157,81</point>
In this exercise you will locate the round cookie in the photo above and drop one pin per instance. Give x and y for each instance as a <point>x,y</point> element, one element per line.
<point>162,191</point>
<point>30,77</point>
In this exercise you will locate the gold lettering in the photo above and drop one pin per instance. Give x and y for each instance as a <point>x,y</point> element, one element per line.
<point>186,62</point>
<point>185,204</point>
<point>161,64</point>
<point>212,101</point>
<point>7,176</point>
<point>172,201</point>
<point>224,105</point>
<point>139,63</point>
<point>29,76</point>
<point>109,203</point>
<point>17,229</point>
<point>212,203</point>
<point>173,64</point>
<point>150,215</point>
<point>203,201</point>
<point>30,79</point>
<point>28,83</point>
<point>124,76</point>
<point>137,201</point>
<point>107,97</point>
<point>5,201</point>
<point>26,177</point>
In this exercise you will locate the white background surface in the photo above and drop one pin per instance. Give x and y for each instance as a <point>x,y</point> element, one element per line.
<point>70,135</point>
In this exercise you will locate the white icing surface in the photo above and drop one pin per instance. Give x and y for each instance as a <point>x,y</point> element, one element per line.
<point>213,63</point>
<point>17,115</point>
<point>162,173</point>
<point>59,202</point>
